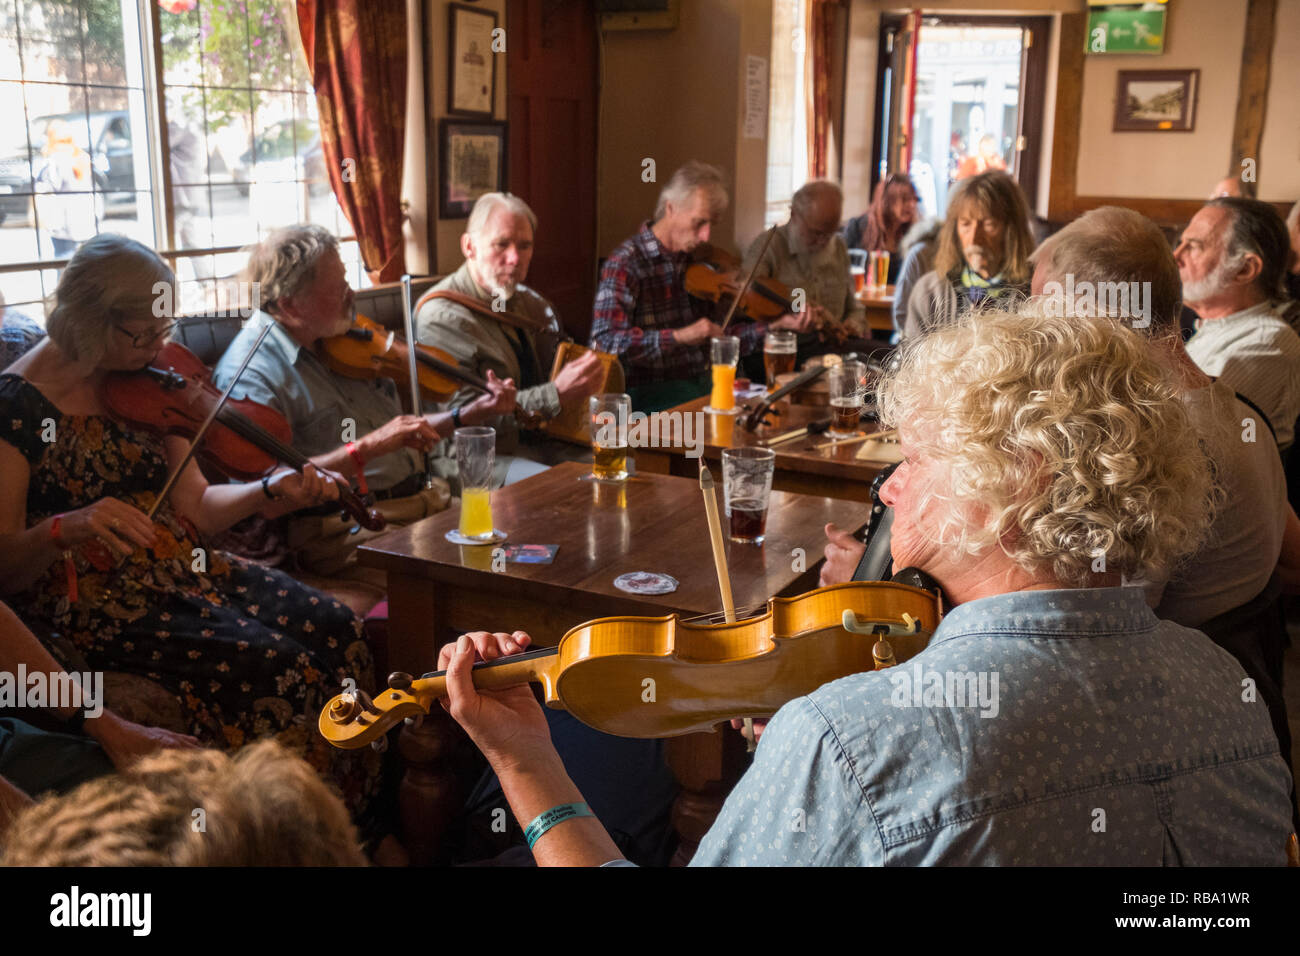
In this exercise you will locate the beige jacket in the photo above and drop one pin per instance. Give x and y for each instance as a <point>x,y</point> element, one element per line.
<point>478,344</point>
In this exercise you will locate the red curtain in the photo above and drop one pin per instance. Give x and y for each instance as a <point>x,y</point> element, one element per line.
<point>820,31</point>
<point>356,51</point>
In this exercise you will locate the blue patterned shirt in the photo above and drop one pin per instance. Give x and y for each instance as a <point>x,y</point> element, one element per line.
<point>1072,727</point>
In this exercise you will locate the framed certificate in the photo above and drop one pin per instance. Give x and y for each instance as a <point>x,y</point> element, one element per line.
<point>472,62</point>
<point>472,162</point>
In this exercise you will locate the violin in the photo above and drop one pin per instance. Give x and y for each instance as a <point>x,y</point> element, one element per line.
<point>664,676</point>
<point>368,351</point>
<point>175,396</point>
<point>713,280</point>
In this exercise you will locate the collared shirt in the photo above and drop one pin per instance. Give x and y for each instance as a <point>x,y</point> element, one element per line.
<point>1255,352</point>
<point>324,410</point>
<point>641,299</point>
<point>1069,727</point>
<point>823,275</point>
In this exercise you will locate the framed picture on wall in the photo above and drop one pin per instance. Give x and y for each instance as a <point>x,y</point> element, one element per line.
<point>471,61</point>
<point>471,162</point>
<point>1163,100</point>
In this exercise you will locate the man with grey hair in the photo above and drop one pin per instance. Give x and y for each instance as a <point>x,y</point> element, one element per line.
<point>642,312</point>
<point>1231,259</point>
<point>808,254</point>
<point>491,323</point>
<point>347,425</point>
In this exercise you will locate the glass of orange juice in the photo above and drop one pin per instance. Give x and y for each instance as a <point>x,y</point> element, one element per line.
<point>475,457</point>
<point>725,352</point>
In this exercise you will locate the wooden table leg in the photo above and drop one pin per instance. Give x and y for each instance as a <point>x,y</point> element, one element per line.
<point>707,766</point>
<point>431,794</point>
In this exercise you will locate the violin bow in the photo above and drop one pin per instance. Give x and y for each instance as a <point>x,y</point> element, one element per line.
<point>749,279</point>
<point>212,416</point>
<point>416,408</point>
<point>720,565</point>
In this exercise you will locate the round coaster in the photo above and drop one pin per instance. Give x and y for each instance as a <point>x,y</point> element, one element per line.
<point>646,582</point>
<point>455,537</point>
<point>721,411</point>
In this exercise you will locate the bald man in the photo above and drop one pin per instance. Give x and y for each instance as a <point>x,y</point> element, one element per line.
<point>808,253</point>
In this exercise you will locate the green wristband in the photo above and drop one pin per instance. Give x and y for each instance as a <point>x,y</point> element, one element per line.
<point>544,821</point>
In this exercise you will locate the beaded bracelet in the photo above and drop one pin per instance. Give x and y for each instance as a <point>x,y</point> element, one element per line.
<point>544,821</point>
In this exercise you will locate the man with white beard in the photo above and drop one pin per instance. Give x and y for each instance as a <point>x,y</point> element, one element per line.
<point>1231,259</point>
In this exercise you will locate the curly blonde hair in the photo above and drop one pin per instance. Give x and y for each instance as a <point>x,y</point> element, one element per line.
<point>1058,439</point>
<point>263,807</point>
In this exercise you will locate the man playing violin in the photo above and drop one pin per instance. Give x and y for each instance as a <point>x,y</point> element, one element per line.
<point>351,426</point>
<point>642,312</point>
<point>498,247</point>
<point>808,253</point>
<point>1075,698</point>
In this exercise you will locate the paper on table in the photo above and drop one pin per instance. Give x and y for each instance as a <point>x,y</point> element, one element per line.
<point>886,452</point>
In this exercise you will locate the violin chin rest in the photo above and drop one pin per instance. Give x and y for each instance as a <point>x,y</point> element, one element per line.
<point>917,578</point>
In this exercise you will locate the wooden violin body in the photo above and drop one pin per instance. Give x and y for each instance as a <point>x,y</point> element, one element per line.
<point>766,299</point>
<point>368,350</point>
<point>174,396</point>
<point>662,676</point>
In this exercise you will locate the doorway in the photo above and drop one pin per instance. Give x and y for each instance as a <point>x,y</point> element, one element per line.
<point>957,96</point>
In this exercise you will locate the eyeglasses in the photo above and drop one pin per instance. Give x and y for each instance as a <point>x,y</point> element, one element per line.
<point>141,339</point>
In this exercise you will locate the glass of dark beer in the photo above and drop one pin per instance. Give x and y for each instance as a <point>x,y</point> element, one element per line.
<point>746,488</point>
<point>779,349</point>
<point>848,389</point>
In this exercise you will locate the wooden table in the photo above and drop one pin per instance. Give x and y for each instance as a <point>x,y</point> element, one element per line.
<point>801,467</point>
<point>649,523</point>
<point>880,308</point>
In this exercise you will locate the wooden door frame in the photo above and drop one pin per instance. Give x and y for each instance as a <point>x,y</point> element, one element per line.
<point>1033,98</point>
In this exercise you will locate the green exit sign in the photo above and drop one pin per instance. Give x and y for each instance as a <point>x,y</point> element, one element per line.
<point>1126,29</point>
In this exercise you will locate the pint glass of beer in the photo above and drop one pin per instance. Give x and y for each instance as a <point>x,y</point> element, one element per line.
<point>779,348</point>
<point>725,351</point>
<point>858,269</point>
<point>746,488</point>
<point>475,456</point>
<point>609,415</point>
<point>848,388</point>
<point>879,270</point>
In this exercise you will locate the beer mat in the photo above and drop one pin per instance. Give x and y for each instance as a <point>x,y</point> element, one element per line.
<point>531,553</point>
<point>646,582</point>
<point>746,389</point>
<point>885,452</point>
<point>455,537</point>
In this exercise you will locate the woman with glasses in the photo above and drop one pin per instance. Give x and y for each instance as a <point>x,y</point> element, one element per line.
<point>247,651</point>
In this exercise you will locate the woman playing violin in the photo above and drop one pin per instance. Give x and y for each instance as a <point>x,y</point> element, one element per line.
<point>246,650</point>
<point>1058,690</point>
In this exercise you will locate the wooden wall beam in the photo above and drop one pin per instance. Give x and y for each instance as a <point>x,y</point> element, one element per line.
<point>1069,112</point>
<point>1252,90</point>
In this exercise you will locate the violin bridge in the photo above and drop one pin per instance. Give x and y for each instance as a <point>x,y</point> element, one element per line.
<point>855,625</point>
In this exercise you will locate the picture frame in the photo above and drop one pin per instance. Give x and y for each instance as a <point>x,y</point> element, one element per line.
<point>471,162</point>
<point>1156,101</point>
<point>471,61</point>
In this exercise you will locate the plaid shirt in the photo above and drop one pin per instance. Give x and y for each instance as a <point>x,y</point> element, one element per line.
<point>640,301</point>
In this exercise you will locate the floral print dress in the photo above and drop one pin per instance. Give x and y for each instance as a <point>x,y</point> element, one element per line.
<point>249,651</point>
